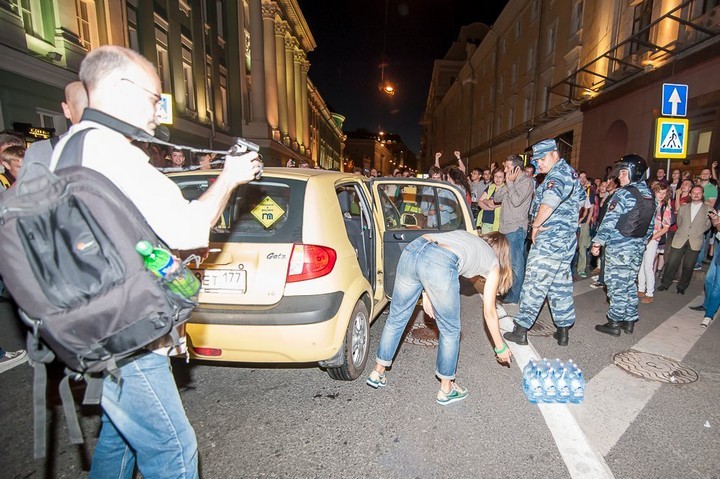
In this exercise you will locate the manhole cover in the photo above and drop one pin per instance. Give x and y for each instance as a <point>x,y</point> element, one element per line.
<point>654,367</point>
<point>542,328</point>
<point>423,333</point>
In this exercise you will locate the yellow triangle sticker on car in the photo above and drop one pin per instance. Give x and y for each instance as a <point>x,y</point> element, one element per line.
<point>267,212</point>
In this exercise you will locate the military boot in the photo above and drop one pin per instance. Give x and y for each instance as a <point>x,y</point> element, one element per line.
<point>517,335</point>
<point>611,327</point>
<point>562,336</point>
<point>628,326</point>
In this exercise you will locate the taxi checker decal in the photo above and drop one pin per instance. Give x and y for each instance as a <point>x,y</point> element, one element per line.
<point>267,212</point>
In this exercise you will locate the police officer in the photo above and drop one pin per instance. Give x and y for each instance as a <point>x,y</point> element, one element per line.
<point>555,210</point>
<point>625,229</point>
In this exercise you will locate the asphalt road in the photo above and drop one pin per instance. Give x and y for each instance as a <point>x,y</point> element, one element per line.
<point>276,422</point>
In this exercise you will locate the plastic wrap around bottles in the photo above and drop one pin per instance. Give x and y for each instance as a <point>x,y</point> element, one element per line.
<point>553,381</point>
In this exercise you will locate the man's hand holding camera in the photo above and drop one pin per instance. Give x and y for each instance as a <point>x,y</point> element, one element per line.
<point>243,168</point>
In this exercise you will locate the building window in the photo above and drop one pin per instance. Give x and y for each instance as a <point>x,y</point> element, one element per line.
<point>500,85</point>
<point>551,39</point>
<point>533,10</point>
<point>87,23</point>
<point>29,11</point>
<point>578,15</point>
<point>210,93</point>
<point>526,109</point>
<point>131,11</point>
<point>220,19</point>
<point>531,58</point>
<point>161,49</point>
<point>188,81</point>
<point>163,65</point>
<point>517,29</point>
<point>513,73</point>
<point>642,17</point>
<point>511,119</point>
<point>222,117</point>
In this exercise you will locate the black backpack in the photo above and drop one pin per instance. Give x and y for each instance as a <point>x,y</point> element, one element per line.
<point>635,223</point>
<point>68,238</point>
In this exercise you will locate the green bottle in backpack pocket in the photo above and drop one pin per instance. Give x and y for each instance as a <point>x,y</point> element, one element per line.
<point>163,264</point>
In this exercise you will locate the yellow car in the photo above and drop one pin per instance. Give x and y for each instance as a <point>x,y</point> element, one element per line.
<point>302,261</point>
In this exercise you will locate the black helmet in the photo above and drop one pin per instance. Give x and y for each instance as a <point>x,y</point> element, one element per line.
<point>635,164</point>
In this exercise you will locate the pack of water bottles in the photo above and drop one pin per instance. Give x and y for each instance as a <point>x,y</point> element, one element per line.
<point>553,381</point>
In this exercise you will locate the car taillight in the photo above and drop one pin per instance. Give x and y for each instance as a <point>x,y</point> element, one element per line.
<point>310,261</point>
<point>207,351</point>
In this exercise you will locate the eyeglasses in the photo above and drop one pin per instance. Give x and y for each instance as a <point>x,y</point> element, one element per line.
<point>156,98</point>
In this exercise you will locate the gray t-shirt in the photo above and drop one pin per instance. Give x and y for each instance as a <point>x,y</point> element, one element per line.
<point>475,256</point>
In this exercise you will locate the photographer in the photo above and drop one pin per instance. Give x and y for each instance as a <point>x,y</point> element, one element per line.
<point>143,421</point>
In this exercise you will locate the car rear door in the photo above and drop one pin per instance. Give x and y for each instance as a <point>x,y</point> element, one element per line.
<point>411,207</point>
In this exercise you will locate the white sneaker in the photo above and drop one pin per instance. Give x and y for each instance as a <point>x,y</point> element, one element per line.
<point>595,278</point>
<point>706,322</point>
<point>12,359</point>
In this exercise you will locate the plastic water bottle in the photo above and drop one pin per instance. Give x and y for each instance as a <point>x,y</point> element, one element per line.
<point>577,386</point>
<point>528,372</point>
<point>549,381</point>
<point>535,387</point>
<point>562,384</point>
<point>163,264</point>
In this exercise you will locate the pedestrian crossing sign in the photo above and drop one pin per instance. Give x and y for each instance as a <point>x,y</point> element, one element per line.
<point>671,138</point>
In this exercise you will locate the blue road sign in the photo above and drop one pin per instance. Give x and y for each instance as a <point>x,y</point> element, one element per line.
<point>674,99</point>
<point>671,138</point>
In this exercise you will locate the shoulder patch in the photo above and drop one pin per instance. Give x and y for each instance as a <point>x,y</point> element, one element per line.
<point>612,205</point>
<point>550,184</point>
<point>575,175</point>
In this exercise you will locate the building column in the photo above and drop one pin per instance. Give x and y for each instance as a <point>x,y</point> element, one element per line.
<point>298,60</point>
<point>257,61</point>
<point>290,45</point>
<point>304,69</point>
<point>269,10</point>
<point>280,30</point>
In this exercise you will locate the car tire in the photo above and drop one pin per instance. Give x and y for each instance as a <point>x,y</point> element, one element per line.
<point>356,345</point>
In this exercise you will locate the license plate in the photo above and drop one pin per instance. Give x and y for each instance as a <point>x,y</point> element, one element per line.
<point>215,280</point>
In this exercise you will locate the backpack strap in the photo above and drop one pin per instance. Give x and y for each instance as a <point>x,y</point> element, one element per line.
<point>71,154</point>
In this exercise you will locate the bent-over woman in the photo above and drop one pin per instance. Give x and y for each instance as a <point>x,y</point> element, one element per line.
<point>432,265</point>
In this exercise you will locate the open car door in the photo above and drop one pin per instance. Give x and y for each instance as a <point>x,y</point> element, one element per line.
<point>412,207</point>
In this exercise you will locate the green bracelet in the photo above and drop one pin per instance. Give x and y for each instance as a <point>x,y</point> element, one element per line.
<point>501,350</point>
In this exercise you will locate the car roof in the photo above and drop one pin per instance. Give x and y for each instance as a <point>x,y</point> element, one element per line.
<point>303,174</point>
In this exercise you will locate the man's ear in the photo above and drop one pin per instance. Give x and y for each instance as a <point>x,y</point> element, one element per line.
<point>66,110</point>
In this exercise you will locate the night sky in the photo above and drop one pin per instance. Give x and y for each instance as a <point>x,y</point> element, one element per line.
<point>346,64</point>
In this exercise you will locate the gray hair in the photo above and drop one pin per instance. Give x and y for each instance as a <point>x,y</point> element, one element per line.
<point>102,62</point>
<point>516,160</point>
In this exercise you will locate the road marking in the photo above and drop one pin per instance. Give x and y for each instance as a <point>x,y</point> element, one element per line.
<point>576,450</point>
<point>616,398</point>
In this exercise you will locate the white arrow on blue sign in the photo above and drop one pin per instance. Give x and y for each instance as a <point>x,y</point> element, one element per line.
<point>674,99</point>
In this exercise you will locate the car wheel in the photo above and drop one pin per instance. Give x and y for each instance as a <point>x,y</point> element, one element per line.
<point>356,345</point>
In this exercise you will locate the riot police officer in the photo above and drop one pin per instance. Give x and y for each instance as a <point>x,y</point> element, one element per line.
<point>555,211</point>
<point>625,229</point>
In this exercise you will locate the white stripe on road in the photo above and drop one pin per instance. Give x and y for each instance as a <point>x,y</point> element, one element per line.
<point>576,450</point>
<point>618,397</point>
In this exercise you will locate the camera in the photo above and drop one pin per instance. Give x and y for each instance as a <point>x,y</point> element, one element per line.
<point>243,146</point>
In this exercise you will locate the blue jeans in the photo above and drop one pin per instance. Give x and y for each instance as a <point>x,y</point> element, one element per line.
<point>425,265</point>
<point>517,258</point>
<point>144,420</point>
<point>703,249</point>
<point>712,287</point>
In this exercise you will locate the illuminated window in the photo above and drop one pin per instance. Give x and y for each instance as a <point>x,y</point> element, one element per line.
<point>87,23</point>
<point>220,18</point>
<point>642,16</point>
<point>248,63</point>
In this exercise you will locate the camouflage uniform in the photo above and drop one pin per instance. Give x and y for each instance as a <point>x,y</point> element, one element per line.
<point>548,271</point>
<point>623,255</point>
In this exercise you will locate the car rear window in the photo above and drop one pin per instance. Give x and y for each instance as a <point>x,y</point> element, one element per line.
<point>265,211</point>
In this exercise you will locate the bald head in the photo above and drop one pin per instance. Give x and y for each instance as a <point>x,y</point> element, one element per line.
<point>76,100</point>
<point>123,84</point>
